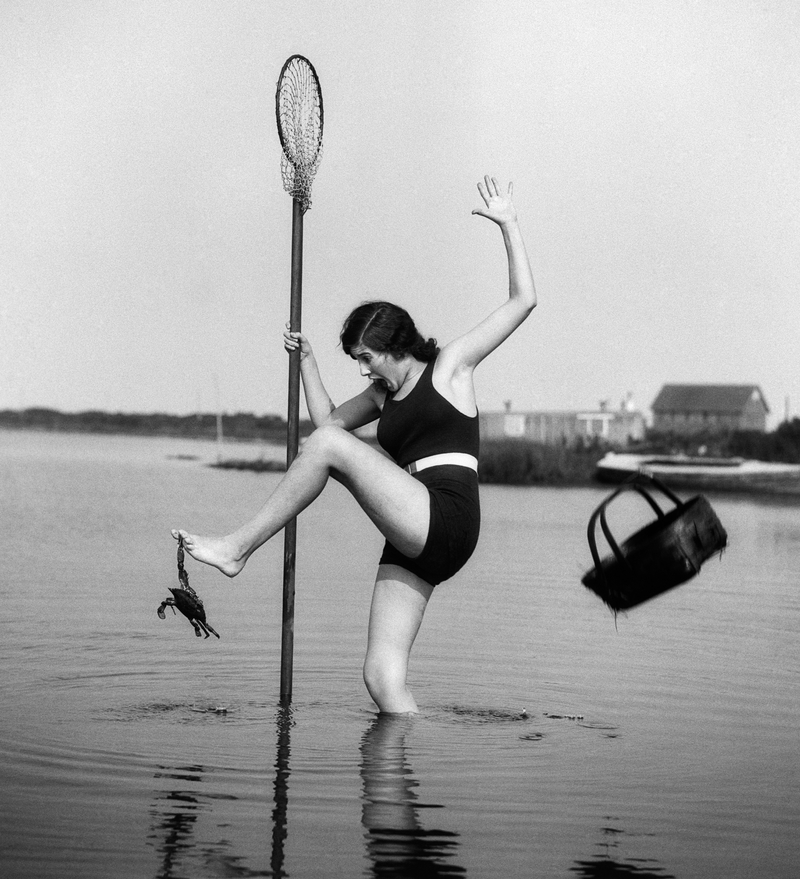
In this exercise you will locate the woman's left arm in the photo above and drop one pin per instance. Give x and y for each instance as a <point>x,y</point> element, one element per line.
<point>466,352</point>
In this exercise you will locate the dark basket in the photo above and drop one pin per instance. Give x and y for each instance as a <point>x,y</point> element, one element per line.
<point>664,554</point>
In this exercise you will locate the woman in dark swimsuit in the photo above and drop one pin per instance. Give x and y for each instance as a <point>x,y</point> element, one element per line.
<point>425,501</point>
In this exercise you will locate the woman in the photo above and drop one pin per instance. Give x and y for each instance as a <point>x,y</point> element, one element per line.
<point>425,502</point>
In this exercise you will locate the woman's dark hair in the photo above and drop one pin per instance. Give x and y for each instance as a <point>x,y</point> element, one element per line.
<point>388,329</point>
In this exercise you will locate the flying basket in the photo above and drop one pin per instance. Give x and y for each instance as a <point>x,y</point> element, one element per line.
<point>664,554</point>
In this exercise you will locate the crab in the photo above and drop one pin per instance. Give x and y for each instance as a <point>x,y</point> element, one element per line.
<point>187,601</point>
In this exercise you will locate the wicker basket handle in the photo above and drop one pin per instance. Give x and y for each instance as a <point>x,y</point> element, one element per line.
<point>632,484</point>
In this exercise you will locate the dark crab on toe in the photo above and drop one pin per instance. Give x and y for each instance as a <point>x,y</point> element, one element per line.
<point>187,601</point>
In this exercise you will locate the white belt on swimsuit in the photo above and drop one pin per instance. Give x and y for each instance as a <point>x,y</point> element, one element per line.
<point>459,459</point>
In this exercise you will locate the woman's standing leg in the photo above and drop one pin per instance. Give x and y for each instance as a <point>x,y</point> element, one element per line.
<point>398,605</point>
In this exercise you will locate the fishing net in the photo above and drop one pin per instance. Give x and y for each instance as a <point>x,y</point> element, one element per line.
<point>298,108</point>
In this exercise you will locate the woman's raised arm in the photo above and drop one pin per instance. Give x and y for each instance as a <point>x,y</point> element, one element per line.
<point>467,351</point>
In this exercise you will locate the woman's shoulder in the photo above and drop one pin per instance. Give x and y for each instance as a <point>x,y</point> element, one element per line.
<point>449,364</point>
<point>452,379</point>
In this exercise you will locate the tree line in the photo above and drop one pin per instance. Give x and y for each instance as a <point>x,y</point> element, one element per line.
<point>781,444</point>
<point>241,425</point>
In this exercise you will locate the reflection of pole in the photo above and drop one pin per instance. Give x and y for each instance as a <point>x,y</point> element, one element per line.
<point>292,444</point>
<point>279,830</point>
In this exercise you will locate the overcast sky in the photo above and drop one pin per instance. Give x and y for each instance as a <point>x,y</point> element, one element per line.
<point>145,234</point>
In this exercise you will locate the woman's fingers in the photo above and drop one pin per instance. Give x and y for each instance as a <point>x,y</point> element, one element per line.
<point>490,188</point>
<point>499,202</point>
<point>490,191</point>
<point>295,341</point>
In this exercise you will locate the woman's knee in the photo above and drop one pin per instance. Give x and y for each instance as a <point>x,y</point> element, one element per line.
<point>329,439</point>
<point>384,677</point>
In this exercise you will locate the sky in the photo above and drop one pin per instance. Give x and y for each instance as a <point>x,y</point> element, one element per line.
<point>145,235</point>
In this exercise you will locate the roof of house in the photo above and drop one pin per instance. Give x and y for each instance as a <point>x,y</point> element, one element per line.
<point>728,399</point>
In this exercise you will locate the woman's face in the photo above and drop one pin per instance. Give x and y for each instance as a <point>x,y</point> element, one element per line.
<point>378,367</point>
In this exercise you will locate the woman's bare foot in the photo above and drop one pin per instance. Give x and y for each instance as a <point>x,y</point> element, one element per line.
<point>219,552</point>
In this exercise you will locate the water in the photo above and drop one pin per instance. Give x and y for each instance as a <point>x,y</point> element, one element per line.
<point>552,743</point>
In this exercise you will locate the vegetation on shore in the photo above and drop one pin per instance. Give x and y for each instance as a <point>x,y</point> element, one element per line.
<point>254,465</point>
<point>240,426</point>
<point>523,462</point>
<point>503,462</point>
<point>781,444</point>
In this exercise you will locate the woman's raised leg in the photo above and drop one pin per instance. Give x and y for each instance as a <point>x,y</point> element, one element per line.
<point>398,605</point>
<point>396,502</point>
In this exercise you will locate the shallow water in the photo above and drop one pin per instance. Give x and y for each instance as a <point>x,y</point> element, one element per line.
<point>554,741</point>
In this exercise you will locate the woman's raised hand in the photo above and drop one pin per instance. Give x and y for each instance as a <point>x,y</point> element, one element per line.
<point>499,206</point>
<point>296,341</point>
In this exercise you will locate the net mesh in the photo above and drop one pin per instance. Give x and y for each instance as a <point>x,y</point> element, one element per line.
<point>298,106</point>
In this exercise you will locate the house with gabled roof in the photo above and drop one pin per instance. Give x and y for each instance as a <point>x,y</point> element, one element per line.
<point>689,409</point>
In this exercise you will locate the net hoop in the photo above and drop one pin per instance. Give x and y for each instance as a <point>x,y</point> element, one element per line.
<point>299,113</point>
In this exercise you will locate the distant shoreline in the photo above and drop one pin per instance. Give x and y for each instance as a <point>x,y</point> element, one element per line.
<point>502,462</point>
<point>238,427</point>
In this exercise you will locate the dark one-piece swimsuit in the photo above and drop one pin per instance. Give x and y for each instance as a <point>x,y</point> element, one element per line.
<point>418,426</point>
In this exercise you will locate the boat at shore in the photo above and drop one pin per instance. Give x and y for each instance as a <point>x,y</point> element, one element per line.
<point>706,473</point>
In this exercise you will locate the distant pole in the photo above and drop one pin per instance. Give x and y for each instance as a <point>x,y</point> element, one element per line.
<point>219,419</point>
<point>292,445</point>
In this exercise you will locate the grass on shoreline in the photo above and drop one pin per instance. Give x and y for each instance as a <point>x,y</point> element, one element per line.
<point>522,462</point>
<point>502,462</point>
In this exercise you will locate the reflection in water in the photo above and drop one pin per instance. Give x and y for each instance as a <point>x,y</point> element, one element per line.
<point>397,843</point>
<point>175,814</point>
<point>176,811</point>
<point>604,866</point>
<point>283,723</point>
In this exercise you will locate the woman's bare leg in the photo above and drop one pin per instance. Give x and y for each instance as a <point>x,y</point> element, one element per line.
<point>396,502</point>
<point>398,605</point>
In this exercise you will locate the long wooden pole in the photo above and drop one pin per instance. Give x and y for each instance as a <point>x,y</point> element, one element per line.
<point>292,445</point>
